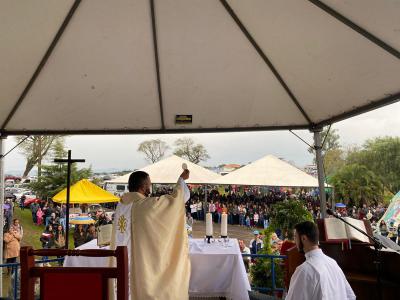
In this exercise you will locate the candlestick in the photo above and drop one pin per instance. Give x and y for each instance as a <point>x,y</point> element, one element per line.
<point>209,225</point>
<point>224,225</point>
<point>208,239</point>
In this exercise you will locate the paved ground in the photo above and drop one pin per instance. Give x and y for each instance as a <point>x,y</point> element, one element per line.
<point>234,231</point>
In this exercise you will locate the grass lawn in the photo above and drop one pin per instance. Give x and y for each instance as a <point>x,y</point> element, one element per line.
<point>33,232</point>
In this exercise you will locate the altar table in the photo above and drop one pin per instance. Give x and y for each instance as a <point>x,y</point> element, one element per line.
<point>217,269</point>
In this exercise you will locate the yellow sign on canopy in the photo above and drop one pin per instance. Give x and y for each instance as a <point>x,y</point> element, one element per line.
<point>87,192</point>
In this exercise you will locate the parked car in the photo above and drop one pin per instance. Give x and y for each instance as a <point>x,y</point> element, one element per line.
<point>9,182</point>
<point>12,190</point>
<point>26,193</point>
<point>29,201</point>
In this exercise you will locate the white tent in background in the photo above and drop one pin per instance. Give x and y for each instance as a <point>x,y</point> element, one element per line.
<point>168,170</point>
<point>269,171</point>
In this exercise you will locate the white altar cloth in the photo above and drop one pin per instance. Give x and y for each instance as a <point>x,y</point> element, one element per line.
<point>216,270</point>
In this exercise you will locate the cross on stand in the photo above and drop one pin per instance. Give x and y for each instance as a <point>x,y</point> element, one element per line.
<point>69,162</point>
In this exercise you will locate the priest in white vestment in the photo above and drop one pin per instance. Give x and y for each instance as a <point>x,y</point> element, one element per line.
<point>319,277</point>
<point>153,229</point>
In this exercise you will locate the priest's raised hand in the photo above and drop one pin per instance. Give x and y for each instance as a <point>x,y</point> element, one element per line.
<point>185,174</point>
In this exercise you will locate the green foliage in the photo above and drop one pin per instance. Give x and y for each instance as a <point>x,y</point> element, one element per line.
<point>261,270</point>
<point>54,179</point>
<point>357,185</point>
<point>334,160</point>
<point>286,214</point>
<point>381,156</point>
<point>387,197</point>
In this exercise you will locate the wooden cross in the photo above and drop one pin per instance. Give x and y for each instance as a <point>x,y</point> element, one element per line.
<point>69,162</point>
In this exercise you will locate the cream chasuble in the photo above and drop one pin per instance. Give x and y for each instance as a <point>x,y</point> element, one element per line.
<point>153,229</point>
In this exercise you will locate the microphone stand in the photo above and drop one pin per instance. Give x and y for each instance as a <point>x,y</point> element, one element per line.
<point>377,246</point>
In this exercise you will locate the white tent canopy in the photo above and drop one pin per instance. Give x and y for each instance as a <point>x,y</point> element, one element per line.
<point>268,171</point>
<point>167,171</point>
<point>132,66</point>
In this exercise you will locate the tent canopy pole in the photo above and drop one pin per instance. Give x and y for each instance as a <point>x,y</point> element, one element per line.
<point>2,146</point>
<point>320,168</point>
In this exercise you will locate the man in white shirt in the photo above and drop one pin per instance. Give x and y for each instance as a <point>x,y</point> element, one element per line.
<point>245,250</point>
<point>193,209</point>
<point>319,277</point>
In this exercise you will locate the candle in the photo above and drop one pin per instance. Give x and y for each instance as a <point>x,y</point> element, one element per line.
<point>224,225</point>
<point>209,225</point>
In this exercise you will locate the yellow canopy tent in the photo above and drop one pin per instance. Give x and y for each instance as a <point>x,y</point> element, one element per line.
<point>85,192</point>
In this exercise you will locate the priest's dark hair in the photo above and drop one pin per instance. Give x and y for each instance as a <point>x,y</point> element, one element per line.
<point>309,229</point>
<point>136,180</point>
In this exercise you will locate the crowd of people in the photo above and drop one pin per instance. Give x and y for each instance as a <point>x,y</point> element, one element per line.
<point>47,213</point>
<point>250,209</point>
<point>243,210</point>
<point>53,217</point>
<point>254,210</point>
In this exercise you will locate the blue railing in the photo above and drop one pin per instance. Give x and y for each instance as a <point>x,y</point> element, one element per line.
<point>14,272</point>
<point>15,266</point>
<point>273,288</point>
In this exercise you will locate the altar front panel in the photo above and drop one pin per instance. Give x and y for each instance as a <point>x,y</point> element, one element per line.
<point>217,269</point>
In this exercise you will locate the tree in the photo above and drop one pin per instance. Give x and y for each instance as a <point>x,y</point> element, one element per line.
<point>54,179</point>
<point>54,176</point>
<point>35,149</point>
<point>186,148</point>
<point>381,156</point>
<point>331,151</point>
<point>331,141</point>
<point>58,149</point>
<point>357,185</point>
<point>334,160</point>
<point>286,214</point>
<point>153,150</point>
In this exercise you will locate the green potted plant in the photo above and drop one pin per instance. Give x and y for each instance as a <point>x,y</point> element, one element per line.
<point>284,216</point>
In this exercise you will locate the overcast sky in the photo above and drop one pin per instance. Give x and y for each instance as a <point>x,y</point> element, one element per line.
<point>120,151</point>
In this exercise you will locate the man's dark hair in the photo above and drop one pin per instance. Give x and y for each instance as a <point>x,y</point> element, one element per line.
<point>309,229</point>
<point>136,180</point>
